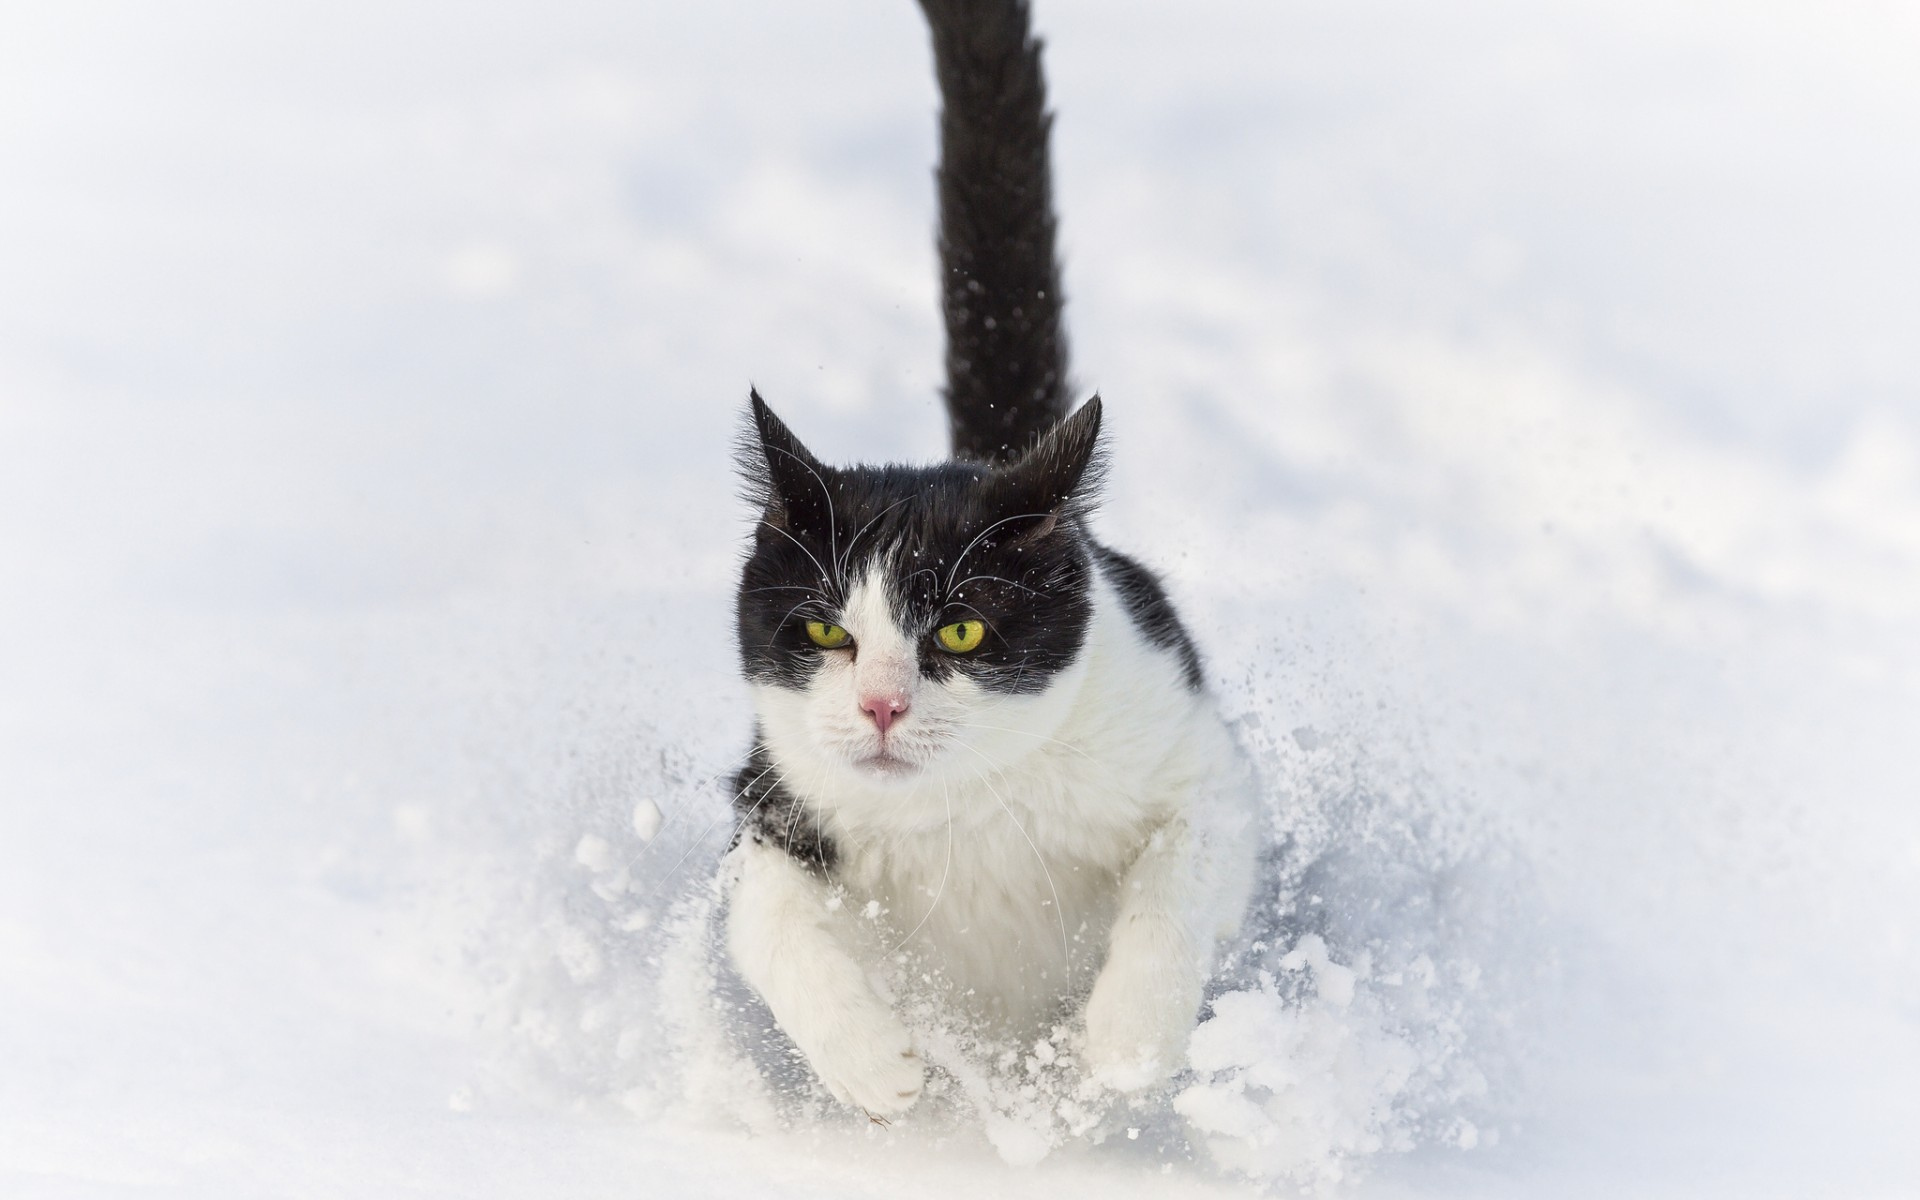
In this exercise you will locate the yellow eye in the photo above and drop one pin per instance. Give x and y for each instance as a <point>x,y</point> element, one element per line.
<point>827,637</point>
<point>962,636</point>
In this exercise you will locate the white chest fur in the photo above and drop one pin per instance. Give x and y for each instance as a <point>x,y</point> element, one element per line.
<point>1002,866</point>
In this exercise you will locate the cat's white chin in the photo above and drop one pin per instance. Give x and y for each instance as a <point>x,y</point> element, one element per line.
<point>886,766</point>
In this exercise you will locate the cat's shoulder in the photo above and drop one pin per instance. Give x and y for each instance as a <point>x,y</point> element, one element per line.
<point>1148,607</point>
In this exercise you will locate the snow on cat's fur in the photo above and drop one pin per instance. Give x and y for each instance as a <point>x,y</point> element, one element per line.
<point>1058,808</point>
<point>982,727</point>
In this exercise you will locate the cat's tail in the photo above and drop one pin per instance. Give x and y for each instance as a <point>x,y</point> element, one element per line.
<point>1000,284</point>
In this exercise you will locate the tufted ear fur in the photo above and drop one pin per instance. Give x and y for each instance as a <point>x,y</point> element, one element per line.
<point>783,477</point>
<point>1059,477</point>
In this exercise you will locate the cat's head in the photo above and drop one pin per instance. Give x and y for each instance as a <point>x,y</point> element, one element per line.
<point>903,624</point>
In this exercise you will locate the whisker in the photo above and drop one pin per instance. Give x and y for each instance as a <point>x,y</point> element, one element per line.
<point>1066,954</point>
<point>940,891</point>
<point>917,574</point>
<point>976,541</point>
<point>702,837</point>
<point>848,552</point>
<point>633,860</point>
<point>793,822</point>
<point>998,578</point>
<point>824,577</point>
<point>782,622</point>
<point>970,608</point>
<point>1029,733</point>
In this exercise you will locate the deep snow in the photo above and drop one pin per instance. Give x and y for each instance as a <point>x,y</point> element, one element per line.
<point>1521,399</point>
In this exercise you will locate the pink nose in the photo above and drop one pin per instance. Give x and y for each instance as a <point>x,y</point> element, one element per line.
<point>883,709</point>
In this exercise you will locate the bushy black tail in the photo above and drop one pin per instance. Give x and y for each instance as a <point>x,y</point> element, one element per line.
<point>1006,352</point>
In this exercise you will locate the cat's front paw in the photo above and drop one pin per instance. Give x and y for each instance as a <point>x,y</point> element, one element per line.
<point>1138,1022</point>
<point>871,1064</point>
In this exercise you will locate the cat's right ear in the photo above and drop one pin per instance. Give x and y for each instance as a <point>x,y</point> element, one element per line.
<point>1060,475</point>
<point>783,477</point>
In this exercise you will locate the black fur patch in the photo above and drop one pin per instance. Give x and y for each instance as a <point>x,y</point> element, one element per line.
<point>774,816</point>
<point>1146,600</point>
<point>957,541</point>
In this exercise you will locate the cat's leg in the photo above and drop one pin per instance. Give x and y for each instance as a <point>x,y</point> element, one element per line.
<point>779,933</point>
<point>1146,996</point>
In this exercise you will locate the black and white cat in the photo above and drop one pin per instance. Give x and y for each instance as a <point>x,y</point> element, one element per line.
<point>981,735</point>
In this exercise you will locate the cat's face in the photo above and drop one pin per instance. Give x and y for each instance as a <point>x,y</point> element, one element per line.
<point>902,624</point>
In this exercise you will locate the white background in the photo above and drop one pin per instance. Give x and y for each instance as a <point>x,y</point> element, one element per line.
<point>1527,392</point>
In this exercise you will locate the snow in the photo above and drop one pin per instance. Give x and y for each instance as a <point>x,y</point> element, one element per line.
<point>1521,400</point>
<point>646,820</point>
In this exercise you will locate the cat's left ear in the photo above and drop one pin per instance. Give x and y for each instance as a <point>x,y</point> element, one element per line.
<point>1061,474</point>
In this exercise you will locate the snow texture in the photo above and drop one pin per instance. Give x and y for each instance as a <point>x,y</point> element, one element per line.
<point>1521,400</point>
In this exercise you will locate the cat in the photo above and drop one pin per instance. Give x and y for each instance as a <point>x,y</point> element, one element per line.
<point>982,736</point>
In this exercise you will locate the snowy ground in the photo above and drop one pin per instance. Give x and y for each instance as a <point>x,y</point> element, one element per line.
<point>1522,399</point>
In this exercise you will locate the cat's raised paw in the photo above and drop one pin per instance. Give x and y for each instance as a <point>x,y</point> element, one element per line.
<point>1137,1029</point>
<point>877,1071</point>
